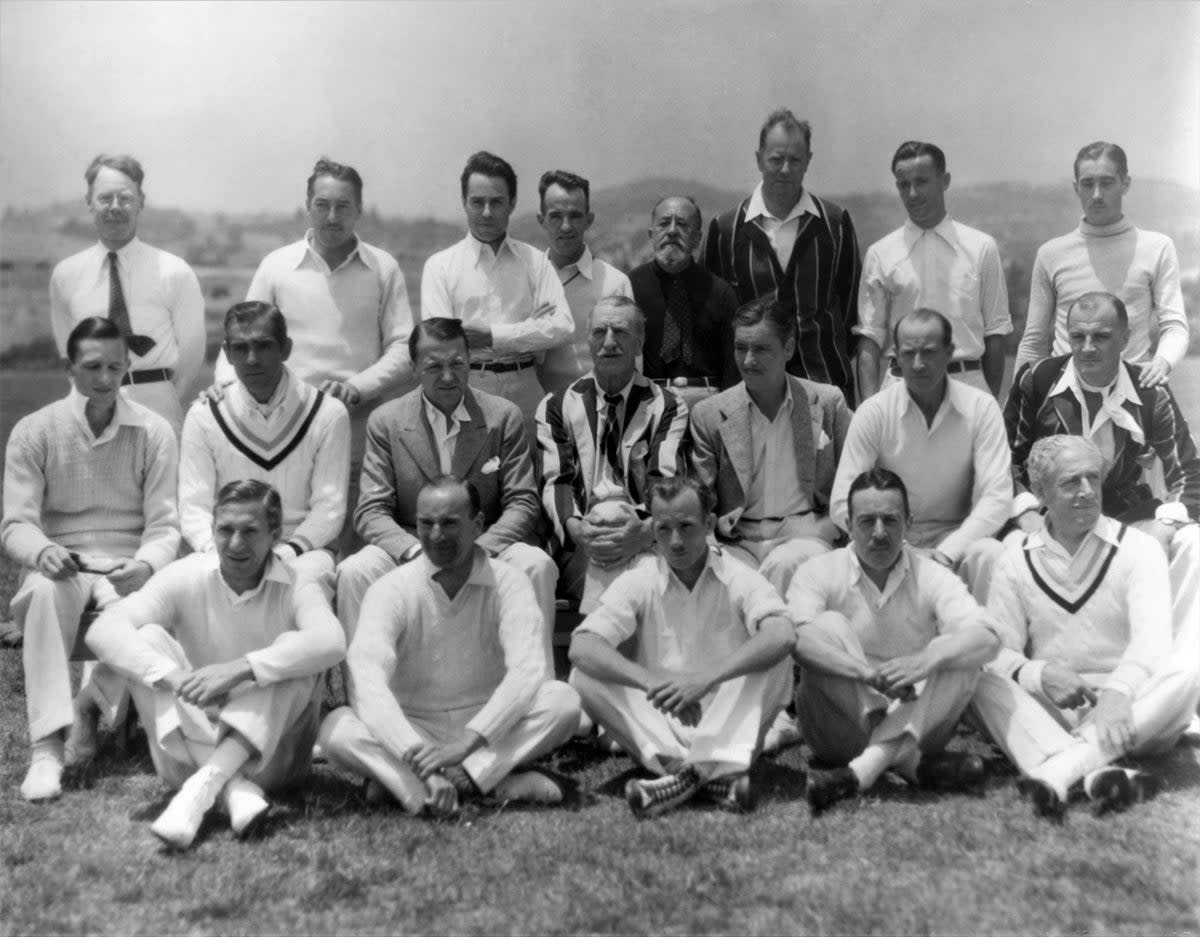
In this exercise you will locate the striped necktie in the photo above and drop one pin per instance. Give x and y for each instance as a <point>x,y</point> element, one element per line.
<point>677,325</point>
<point>118,312</point>
<point>610,439</point>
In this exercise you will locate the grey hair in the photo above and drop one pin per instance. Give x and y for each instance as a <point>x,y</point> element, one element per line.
<point>1045,454</point>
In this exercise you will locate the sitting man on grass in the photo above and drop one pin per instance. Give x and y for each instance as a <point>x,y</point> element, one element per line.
<point>223,651</point>
<point>710,672</point>
<point>448,685</point>
<point>1086,675</point>
<point>890,644</point>
<point>89,513</point>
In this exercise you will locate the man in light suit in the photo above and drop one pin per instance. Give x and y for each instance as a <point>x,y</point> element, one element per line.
<point>602,442</point>
<point>768,449</point>
<point>444,428</point>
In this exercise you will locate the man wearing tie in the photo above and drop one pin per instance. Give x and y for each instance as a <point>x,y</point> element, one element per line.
<point>153,297</point>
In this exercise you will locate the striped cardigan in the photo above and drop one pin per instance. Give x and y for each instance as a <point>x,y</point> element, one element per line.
<point>652,447</point>
<point>819,285</point>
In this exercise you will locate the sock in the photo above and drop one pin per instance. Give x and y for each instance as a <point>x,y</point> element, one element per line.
<point>907,759</point>
<point>51,746</point>
<point>875,759</point>
<point>231,753</point>
<point>1070,765</point>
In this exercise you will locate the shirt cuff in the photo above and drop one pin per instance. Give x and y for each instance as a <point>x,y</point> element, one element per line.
<point>1025,501</point>
<point>1118,685</point>
<point>1030,676</point>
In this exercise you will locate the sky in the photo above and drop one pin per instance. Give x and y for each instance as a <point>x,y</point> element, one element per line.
<point>228,104</point>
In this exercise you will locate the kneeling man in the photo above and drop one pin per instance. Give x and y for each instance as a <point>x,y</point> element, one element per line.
<point>711,669</point>
<point>448,685</point>
<point>223,650</point>
<point>1086,675</point>
<point>890,644</point>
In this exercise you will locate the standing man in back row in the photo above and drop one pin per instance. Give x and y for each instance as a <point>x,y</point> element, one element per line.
<point>935,262</point>
<point>565,214</point>
<point>153,297</point>
<point>785,240</point>
<point>506,292</point>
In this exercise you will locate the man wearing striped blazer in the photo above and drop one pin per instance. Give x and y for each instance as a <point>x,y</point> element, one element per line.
<point>784,240</point>
<point>602,441</point>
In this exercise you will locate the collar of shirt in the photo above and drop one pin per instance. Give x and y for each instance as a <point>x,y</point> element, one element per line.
<point>784,408</point>
<point>1105,529</point>
<point>953,399</point>
<point>277,397</point>
<point>758,207</point>
<point>484,253</point>
<point>437,419</point>
<point>125,255</point>
<point>715,565</point>
<point>583,266</point>
<point>944,229</point>
<point>623,392</point>
<point>123,415</point>
<point>277,571</point>
<point>1113,398</point>
<point>480,576</point>
<point>896,575</point>
<point>307,251</point>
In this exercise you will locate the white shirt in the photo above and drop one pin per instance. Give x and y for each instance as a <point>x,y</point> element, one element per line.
<point>350,324</point>
<point>501,290</point>
<point>958,470</point>
<point>584,283</point>
<point>679,628</point>
<point>445,436</point>
<point>952,268</point>
<point>1099,429</point>
<point>606,485</point>
<point>781,232</point>
<point>774,478</point>
<point>1104,611</point>
<point>162,295</point>
<point>283,627</point>
<point>919,601</point>
<point>312,477</point>
<point>418,651</point>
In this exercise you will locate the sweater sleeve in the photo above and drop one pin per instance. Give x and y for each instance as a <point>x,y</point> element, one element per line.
<point>1173,330</point>
<point>24,485</point>
<point>114,637</point>
<point>160,535</point>
<point>315,644</point>
<point>1039,319</point>
<point>329,482</point>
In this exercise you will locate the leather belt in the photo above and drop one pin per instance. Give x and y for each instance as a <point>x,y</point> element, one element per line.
<point>954,367</point>
<point>710,382</point>
<point>150,376</point>
<point>502,367</point>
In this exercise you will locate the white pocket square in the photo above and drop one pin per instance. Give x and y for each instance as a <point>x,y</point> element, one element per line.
<point>491,466</point>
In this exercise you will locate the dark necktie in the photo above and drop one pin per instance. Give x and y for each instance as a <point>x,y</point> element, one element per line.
<point>677,325</point>
<point>610,441</point>
<point>118,312</point>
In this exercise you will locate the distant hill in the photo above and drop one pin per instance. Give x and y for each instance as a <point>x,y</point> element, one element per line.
<point>225,249</point>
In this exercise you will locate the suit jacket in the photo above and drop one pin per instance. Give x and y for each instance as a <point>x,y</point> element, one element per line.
<point>1034,411</point>
<point>721,449</point>
<point>491,450</point>
<point>819,285</point>
<point>652,446</point>
<point>713,304</point>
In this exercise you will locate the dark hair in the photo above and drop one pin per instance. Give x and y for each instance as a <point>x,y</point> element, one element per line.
<point>491,165</point>
<point>1090,302</point>
<point>877,479</point>
<point>251,490</point>
<point>450,482</point>
<point>568,181</point>
<point>121,162</point>
<point>770,310</point>
<point>93,327</point>
<point>327,167</point>
<point>925,314</point>
<point>1099,150</point>
<point>782,115</point>
<point>915,149</point>
<point>438,328</point>
<point>251,311</point>
<point>671,487</point>
<point>686,198</point>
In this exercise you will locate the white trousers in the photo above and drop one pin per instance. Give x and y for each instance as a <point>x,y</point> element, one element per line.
<point>840,717</point>
<point>725,742</point>
<point>551,721</point>
<point>521,387</point>
<point>781,549</point>
<point>48,611</point>
<point>279,721</point>
<point>357,573</point>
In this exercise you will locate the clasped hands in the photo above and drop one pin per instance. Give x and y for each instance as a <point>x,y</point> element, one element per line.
<point>608,545</point>
<point>678,693</point>
<point>57,562</point>
<point>1112,710</point>
<point>209,685</point>
<point>897,678</point>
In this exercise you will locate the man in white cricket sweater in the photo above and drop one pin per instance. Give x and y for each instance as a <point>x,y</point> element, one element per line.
<point>1086,675</point>
<point>89,513</point>
<point>271,426</point>
<point>448,685</point>
<point>223,651</point>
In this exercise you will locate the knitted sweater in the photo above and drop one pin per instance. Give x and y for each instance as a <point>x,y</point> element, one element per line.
<point>114,494</point>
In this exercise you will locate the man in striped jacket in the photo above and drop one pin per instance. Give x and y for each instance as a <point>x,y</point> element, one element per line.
<point>602,442</point>
<point>784,240</point>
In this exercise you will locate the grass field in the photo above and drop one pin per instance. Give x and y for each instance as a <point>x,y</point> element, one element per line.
<point>898,861</point>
